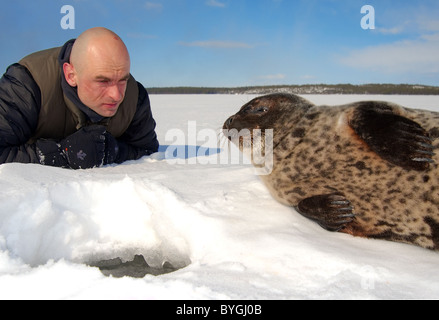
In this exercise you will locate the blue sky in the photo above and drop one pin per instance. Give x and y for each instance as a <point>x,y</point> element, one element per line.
<point>243,42</point>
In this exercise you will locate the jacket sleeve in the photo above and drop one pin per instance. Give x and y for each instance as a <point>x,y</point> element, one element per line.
<point>20,103</point>
<point>140,139</point>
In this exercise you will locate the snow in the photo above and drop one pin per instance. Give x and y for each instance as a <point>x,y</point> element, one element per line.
<point>213,219</point>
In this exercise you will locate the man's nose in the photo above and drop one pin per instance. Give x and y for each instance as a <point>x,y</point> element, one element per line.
<point>115,93</point>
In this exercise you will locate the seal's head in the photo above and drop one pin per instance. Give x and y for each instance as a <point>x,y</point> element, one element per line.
<point>272,112</point>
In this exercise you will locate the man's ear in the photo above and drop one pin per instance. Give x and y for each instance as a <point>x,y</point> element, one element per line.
<point>70,74</point>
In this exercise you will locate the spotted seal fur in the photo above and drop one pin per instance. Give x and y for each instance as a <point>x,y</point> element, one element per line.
<point>368,169</point>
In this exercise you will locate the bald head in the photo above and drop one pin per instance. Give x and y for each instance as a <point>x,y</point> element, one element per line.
<point>96,44</point>
<point>100,68</point>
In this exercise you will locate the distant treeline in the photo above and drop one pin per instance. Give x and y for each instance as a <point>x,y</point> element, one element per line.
<point>307,89</point>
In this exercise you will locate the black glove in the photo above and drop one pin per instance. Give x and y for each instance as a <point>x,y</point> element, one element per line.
<point>111,149</point>
<point>84,149</point>
<point>50,154</point>
<point>90,147</point>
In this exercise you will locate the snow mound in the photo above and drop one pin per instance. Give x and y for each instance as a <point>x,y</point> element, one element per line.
<point>50,214</point>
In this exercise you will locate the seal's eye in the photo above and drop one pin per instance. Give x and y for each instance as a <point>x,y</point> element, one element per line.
<point>261,109</point>
<point>256,109</point>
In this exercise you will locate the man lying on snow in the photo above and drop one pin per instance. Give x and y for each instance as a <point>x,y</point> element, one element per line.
<point>76,106</point>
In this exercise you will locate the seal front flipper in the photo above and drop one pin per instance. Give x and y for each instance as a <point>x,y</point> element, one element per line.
<point>331,211</point>
<point>394,138</point>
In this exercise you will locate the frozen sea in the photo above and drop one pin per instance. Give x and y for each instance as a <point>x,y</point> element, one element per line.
<point>214,220</point>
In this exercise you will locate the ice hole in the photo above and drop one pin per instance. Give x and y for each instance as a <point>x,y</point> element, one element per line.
<point>117,221</point>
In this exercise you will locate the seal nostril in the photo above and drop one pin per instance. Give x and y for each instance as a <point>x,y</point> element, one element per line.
<point>229,121</point>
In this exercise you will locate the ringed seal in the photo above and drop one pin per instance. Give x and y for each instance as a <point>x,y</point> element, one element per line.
<point>367,169</point>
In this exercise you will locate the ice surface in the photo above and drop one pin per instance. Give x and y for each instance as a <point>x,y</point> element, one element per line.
<point>216,219</point>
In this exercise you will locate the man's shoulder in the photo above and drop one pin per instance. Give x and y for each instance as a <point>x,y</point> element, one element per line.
<point>42,56</point>
<point>43,65</point>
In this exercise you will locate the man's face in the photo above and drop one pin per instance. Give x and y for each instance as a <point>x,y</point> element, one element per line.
<point>102,82</point>
<point>102,88</point>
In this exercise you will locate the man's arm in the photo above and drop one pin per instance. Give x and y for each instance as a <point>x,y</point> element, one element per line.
<point>140,139</point>
<point>20,103</point>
